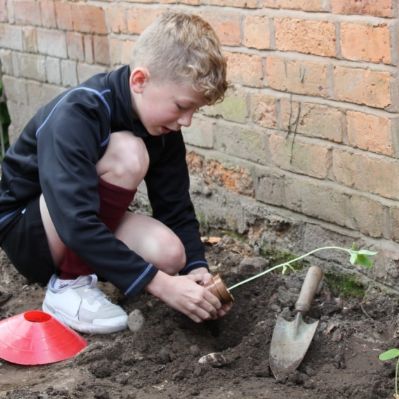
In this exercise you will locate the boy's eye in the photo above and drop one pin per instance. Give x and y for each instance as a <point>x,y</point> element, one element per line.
<point>183,108</point>
<point>180,107</point>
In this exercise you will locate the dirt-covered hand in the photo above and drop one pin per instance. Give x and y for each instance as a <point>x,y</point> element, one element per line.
<point>206,278</point>
<point>185,294</point>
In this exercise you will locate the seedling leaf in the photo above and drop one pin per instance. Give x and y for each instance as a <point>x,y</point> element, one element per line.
<point>389,354</point>
<point>361,257</point>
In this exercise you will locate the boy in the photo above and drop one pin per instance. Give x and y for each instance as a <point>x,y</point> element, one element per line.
<point>69,178</point>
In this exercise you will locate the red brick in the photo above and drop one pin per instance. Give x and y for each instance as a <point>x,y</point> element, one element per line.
<point>296,76</point>
<point>318,199</point>
<point>200,133</point>
<point>362,86</point>
<point>127,51</point>
<point>88,48</point>
<point>101,50</point>
<point>191,2</point>
<point>27,12</point>
<point>63,13</point>
<point>195,163</point>
<point>366,42</point>
<point>305,36</point>
<point>378,8</point>
<point>245,69</point>
<point>116,19</point>
<point>313,120</point>
<point>234,107</point>
<point>227,26</point>
<point>120,51</point>
<point>88,19</point>
<point>48,13</point>
<point>263,108</point>
<point>257,32</point>
<point>371,174</point>
<point>304,5</point>
<point>370,132</point>
<point>3,11</point>
<point>29,37</point>
<point>236,179</point>
<point>270,186</point>
<point>234,3</point>
<point>394,222</point>
<point>245,142</point>
<point>139,18</point>
<point>11,37</point>
<point>31,66</point>
<point>369,215</point>
<point>300,156</point>
<point>75,47</point>
<point>52,42</point>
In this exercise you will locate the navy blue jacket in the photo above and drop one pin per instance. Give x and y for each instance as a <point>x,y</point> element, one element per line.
<point>56,154</point>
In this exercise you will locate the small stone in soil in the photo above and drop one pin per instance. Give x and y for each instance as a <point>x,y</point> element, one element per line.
<point>198,370</point>
<point>215,359</point>
<point>164,356</point>
<point>194,350</point>
<point>262,372</point>
<point>135,320</point>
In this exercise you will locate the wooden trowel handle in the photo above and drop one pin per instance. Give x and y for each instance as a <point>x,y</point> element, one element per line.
<point>309,288</point>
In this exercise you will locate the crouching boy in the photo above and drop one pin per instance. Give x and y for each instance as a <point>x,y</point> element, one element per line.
<point>68,180</point>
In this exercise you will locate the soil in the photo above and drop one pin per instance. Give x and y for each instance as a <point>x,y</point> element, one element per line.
<point>161,359</point>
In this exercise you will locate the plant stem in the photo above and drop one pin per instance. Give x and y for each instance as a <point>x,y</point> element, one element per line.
<point>396,379</point>
<point>285,264</point>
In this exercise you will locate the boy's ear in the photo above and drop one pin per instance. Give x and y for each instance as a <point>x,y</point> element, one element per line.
<point>139,77</point>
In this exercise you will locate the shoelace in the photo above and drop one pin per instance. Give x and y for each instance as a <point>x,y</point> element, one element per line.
<point>95,293</point>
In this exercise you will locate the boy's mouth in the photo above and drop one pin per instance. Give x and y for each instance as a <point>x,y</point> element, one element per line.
<point>165,130</point>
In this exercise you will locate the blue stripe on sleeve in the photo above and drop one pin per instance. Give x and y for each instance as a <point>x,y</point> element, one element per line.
<point>97,93</point>
<point>136,285</point>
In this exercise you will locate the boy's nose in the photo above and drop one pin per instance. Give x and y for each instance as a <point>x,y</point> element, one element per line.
<point>185,119</point>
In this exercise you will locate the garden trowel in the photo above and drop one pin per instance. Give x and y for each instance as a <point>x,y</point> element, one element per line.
<point>291,339</point>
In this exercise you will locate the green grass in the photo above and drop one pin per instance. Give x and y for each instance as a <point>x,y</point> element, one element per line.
<point>345,286</point>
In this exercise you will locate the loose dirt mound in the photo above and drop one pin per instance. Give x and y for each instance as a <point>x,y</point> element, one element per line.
<point>161,360</point>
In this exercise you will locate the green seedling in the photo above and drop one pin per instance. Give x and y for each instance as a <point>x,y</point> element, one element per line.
<point>360,257</point>
<point>389,355</point>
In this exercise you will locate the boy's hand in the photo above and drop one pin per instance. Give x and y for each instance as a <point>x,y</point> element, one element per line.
<point>187,295</point>
<point>206,277</point>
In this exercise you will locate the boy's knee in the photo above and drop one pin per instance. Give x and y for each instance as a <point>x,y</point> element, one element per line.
<point>131,156</point>
<point>125,161</point>
<point>173,256</point>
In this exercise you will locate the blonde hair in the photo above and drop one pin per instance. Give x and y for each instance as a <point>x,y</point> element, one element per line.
<point>183,48</point>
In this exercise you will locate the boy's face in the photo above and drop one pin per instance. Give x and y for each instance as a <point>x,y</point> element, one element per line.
<point>163,107</point>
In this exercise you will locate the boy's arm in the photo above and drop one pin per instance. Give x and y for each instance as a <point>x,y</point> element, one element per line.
<point>168,190</point>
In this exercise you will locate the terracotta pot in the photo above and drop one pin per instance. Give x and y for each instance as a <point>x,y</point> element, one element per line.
<point>219,289</point>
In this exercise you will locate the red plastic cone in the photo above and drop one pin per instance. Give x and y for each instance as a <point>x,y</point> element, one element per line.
<point>35,337</point>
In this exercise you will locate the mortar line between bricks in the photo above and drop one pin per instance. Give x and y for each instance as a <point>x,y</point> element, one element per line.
<point>347,106</point>
<point>297,56</point>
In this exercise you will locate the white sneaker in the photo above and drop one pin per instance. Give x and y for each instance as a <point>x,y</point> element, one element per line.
<point>83,307</point>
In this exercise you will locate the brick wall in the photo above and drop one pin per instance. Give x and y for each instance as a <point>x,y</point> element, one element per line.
<point>304,150</point>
